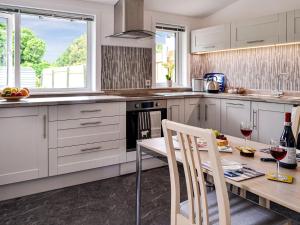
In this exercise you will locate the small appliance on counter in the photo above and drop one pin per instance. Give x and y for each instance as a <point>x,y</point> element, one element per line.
<point>218,77</point>
<point>198,84</point>
<point>212,85</point>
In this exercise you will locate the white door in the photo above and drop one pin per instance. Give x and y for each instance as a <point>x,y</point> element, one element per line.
<point>267,121</point>
<point>175,108</point>
<point>23,144</point>
<point>210,39</point>
<point>259,31</point>
<point>210,113</point>
<point>233,112</point>
<point>293,26</point>
<point>192,111</point>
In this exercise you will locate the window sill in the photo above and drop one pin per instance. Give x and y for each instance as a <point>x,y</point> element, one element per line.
<point>63,94</point>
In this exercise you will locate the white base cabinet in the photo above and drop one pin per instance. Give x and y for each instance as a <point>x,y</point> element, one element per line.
<point>210,113</point>
<point>233,112</point>
<point>23,144</point>
<point>175,109</point>
<point>192,112</point>
<point>267,120</point>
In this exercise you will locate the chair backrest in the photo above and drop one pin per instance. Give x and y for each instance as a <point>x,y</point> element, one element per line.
<point>296,120</point>
<point>194,177</point>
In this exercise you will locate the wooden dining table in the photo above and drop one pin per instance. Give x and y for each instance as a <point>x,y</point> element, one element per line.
<point>287,195</point>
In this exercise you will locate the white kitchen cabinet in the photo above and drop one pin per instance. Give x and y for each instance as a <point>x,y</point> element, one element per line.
<point>293,26</point>
<point>192,111</point>
<point>233,112</point>
<point>175,108</point>
<point>23,144</point>
<point>86,136</point>
<point>267,120</point>
<point>210,113</point>
<point>259,31</point>
<point>210,39</point>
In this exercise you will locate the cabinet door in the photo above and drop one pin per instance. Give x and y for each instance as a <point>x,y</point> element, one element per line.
<point>293,26</point>
<point>260,31</point>
<point>23,144</point>
<point>210,113</point>
<point>175,108</point>
<point>210,39</point>
<point>267,119</point>
<point>233,112</point>
<point>192,111</point>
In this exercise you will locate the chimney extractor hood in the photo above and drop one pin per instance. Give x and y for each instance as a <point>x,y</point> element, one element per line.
<point>129,20</point>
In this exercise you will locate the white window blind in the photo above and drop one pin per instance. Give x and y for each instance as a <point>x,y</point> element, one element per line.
<point>169,27</point>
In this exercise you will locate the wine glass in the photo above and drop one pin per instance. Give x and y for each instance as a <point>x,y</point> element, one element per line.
<point>278,152</point>
<point>246,130</point>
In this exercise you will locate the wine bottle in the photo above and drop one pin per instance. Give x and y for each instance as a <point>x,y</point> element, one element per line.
<point>287,141</point>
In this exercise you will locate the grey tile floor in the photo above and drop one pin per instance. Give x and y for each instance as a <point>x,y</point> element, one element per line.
<point>105,202</point>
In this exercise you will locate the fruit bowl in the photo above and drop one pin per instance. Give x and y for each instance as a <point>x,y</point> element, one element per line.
<point>14,93</point>
<point>14,98</point>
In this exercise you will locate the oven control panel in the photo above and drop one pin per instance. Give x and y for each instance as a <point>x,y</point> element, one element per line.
<point>146,105</point>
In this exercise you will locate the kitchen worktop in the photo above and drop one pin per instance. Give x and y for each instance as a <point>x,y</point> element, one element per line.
<point>42,101</point>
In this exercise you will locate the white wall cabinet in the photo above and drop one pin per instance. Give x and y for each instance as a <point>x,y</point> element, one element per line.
<point>210,113</point>
<point>210,39</point>
<point>23,144</point>
<point>267,120</point>
<point>192,112</point>
<point>175,108</point>
<point>233,112</point>
<point>293,26</point>
<point>259,31</point>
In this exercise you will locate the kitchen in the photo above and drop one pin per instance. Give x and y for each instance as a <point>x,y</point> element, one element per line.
<point>82,80</point>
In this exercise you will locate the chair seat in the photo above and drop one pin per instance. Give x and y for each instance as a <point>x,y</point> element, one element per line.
<point>243,212</point>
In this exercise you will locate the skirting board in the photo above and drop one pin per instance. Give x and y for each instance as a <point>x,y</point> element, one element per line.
<point>55,182</point>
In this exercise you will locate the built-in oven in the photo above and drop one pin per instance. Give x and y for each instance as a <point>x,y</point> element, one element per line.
<point>135,112</point>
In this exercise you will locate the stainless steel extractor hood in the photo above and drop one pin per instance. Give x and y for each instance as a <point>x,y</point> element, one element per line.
<point>129,20</point>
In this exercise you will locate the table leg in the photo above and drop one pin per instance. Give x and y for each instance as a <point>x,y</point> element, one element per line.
<point>138,183</point>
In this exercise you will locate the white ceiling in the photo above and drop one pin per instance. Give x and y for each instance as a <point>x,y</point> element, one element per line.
<point>199,8</point>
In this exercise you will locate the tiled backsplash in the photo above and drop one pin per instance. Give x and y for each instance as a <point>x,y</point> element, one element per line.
<point>125,67</point>
<point>253,68</point>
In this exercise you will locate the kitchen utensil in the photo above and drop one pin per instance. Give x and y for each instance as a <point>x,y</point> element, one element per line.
<point>219,77</point>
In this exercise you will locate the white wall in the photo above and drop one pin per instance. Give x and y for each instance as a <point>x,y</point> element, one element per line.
<point>104,25</point>
<point>244,9</point>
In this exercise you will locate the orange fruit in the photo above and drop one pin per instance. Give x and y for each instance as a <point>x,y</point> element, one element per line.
<point>24,92</point>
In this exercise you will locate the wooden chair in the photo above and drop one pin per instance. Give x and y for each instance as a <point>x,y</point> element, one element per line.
<point>202,207</point>
<point>296,121</point>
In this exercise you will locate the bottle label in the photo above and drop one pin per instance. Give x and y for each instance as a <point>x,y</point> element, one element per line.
<point>290,157</point>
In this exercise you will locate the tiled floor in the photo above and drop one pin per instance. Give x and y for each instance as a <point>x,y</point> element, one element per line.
<point>106,202</point>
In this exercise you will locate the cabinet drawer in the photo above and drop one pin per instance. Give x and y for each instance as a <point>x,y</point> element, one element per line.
<point>86,131</point>
<point>84,157</point>
<point>80,111</point>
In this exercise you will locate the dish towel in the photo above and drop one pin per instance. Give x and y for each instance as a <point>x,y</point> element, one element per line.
<point>144,125</point>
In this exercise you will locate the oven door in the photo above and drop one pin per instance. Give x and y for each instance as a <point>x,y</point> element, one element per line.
<point>157,115</point>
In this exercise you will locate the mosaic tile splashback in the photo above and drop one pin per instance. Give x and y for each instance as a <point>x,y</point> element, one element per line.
<point>253,68</point>
<point>125,67</point>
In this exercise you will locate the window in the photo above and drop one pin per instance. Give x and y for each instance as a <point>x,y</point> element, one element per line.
<point>51,50</point>
<point>167,52</point>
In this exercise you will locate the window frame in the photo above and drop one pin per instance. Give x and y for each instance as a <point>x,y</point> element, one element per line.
<point>178,56</point>
<point>15,68</point>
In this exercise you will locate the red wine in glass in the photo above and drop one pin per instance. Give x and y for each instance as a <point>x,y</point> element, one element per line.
<point>278,153</point>
<point>246,132</point>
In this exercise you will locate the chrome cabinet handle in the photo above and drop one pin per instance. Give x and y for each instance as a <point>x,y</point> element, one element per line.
<point>254,122</point>
<point>235,104</point>
<point>255,41</point>
<point>90,123</point>
<point>211,46</point>
<point>199,112</point>
<point>205,115</point>
<point>91,149</point>
<point>45,126</point>
<point>171,114</point>
<point>91,111</point>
